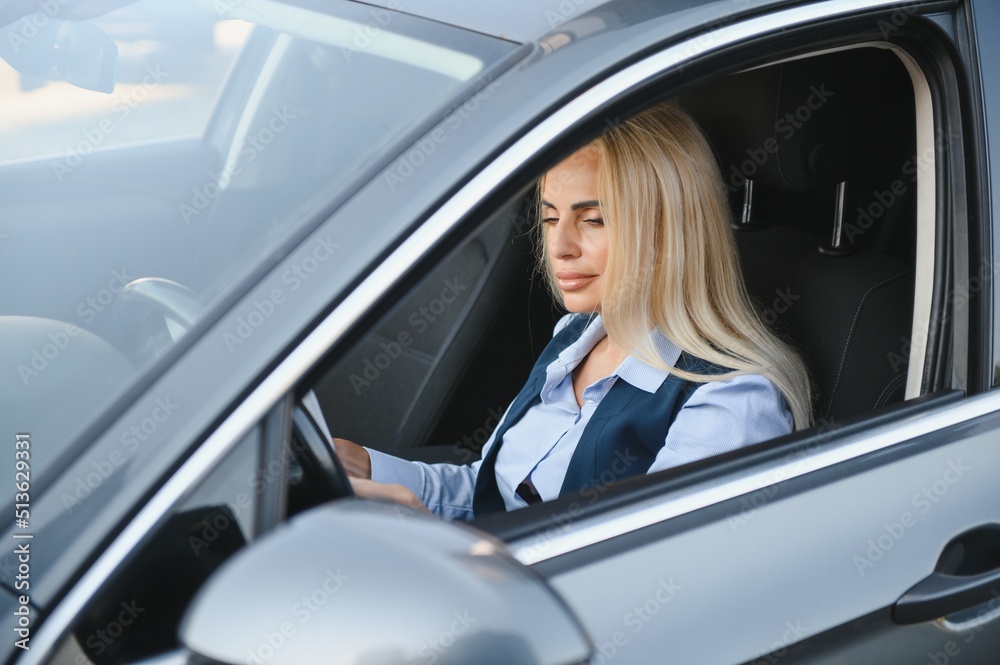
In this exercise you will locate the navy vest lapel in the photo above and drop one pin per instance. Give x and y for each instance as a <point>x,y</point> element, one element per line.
<point>623,435</point>
<point>629,428</point>
<point>486,497</point>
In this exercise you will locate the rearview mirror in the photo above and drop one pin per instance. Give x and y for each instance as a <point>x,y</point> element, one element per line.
<point>77,52</point>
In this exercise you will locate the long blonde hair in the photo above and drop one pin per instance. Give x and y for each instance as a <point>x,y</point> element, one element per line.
<point>672,260</point>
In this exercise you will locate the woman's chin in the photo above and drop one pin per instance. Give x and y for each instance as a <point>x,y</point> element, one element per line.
<point>579,305</point>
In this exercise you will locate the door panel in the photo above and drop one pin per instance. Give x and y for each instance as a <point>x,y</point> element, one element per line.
<point>832,550</point>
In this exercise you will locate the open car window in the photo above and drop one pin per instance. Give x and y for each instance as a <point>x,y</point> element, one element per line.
<point>824,199</point>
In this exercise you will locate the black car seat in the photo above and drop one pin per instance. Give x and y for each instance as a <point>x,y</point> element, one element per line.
<point>389,392</point>
<point>792,138</point>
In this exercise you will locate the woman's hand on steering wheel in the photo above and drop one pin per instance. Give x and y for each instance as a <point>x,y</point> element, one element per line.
<point>369,489</point>
<point>355,458</point>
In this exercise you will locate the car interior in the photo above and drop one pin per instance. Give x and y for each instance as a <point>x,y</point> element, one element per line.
<point>825,227</point>
<point>826,230</point>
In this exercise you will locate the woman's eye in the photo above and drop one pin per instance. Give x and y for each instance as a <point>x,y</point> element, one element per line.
<point>597,221</point>
<point>549,220</point>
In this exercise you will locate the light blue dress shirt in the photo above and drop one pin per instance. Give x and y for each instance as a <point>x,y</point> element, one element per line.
<point>718,417</point>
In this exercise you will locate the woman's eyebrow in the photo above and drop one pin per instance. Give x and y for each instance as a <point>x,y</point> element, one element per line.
<point>576,206</point>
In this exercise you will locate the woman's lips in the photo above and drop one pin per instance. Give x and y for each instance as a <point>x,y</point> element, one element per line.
<point>569,280</point>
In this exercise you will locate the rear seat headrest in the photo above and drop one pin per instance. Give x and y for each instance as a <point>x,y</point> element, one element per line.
<point>798,125</point>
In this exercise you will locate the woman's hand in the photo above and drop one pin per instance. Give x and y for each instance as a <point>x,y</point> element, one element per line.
<point>355,459</point>
<point>358,464</point>
<point>369,489</point>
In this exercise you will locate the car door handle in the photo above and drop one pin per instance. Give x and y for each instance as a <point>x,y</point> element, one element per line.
<point>967,574</point>
<point>941,594</point>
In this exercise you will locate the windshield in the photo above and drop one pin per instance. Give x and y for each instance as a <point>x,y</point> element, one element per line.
<point>153,153</point>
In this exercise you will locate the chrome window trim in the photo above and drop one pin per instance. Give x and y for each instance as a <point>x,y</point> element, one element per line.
<point>923,287</point>
<point>300,360</point>
<point>571,536</point>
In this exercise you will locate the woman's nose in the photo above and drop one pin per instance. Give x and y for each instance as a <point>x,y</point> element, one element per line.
<point>562,240</point>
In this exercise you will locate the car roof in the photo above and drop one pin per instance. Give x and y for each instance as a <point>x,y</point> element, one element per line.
<point>516,20</point>
<point>527,20</point>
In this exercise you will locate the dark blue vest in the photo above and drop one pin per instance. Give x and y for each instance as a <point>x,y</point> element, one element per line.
<point>622,438</point>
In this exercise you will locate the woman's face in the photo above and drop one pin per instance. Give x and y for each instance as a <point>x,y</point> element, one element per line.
<point>575,237</point>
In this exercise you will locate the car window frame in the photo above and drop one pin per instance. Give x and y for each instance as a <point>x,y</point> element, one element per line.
<point>936,400</point>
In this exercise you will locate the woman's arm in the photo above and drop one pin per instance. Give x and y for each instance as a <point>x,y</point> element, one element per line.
<point>446,489</point>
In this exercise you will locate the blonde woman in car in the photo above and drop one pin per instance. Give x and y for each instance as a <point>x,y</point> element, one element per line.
<point>661,359</point>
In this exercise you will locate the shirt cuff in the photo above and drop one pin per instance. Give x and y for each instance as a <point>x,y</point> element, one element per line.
<point>390,469</point>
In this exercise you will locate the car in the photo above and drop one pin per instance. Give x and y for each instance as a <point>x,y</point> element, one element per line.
<point>335,201</point>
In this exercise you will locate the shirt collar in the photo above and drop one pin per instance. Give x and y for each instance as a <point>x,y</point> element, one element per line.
<point>631,370</point>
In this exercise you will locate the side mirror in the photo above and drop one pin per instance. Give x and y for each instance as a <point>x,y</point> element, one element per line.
<point>371,583</point>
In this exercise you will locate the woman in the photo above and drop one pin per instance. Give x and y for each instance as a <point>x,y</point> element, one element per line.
<point>661,359</point>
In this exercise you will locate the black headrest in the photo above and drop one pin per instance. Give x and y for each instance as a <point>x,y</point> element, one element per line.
<point>797,126</point>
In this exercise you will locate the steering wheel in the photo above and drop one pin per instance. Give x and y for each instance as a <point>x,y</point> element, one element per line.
<point>318,455</point>
<point>171,298</point>
<point>152,313</point>
<point>180,306</point>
